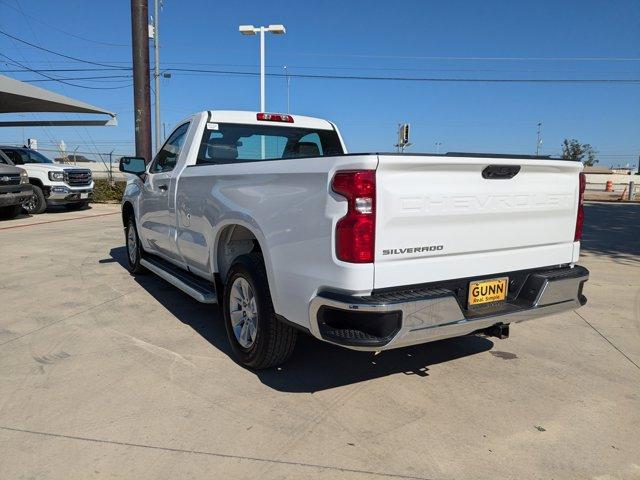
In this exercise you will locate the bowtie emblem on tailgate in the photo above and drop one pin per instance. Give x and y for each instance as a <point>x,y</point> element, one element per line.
<point>500,172</point>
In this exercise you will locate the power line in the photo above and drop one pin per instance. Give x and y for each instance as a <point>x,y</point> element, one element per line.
<point>58,53</point>
<point>462,58</point>
<point>453,58</point>
<point>61,80</point>
<point>632,81</point>
<point>414,79</point>
<point>64,31</point>
<point>75,78</point>
<point>175,65</point>
<point>55,70</point>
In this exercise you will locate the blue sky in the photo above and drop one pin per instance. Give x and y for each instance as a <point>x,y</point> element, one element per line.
<point>427,39</point>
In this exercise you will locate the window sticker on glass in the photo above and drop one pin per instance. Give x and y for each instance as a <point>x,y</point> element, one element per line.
<point>212,126</point>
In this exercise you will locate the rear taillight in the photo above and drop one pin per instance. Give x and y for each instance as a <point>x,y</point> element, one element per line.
<point>580,217</point>
<point>356,231</point>
<point>274,117</point>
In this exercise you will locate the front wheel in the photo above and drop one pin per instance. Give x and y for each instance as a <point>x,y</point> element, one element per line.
<point>134,250</point>
<point>37,203</point>
<point>258,338</point>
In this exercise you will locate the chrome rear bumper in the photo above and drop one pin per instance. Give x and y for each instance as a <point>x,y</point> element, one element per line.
<point>431,314</point>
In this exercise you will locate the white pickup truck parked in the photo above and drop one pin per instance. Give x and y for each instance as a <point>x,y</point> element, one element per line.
<point>269,216</point>
<point>53,184</point>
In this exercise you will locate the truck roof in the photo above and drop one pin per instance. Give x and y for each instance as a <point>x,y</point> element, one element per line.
<point>250,117</point>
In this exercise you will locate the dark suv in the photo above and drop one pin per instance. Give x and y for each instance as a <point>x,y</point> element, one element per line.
<point>15,189</point>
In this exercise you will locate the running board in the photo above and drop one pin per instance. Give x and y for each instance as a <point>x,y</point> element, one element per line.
<point>193,286</point>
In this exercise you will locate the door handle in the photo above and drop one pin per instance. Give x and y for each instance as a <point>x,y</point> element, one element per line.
<point>163,188</point>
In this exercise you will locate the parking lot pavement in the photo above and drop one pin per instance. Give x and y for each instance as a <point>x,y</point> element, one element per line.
<point>59,214</point>
<point>103,375</point>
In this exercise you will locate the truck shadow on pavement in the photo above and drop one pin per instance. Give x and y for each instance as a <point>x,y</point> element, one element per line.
<point>612,230</point>
<point>315,365</point>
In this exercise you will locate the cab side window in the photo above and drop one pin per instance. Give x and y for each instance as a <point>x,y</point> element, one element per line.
<point>167,157</point>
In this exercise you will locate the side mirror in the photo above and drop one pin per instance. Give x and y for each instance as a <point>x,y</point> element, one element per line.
<point>134,165</point>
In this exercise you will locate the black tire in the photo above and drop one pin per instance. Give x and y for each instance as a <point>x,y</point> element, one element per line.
<point>38,204</point>
<point>133,257</point>
<point>10,212</point>
<point>274,340</point>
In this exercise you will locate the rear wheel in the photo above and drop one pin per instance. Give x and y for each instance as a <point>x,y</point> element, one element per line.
<point>258,338</point>
<point>10,212</point>
<point>134,250</point>
<point>37,203</point>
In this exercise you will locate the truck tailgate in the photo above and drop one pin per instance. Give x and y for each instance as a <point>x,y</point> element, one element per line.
<point>438,218</point>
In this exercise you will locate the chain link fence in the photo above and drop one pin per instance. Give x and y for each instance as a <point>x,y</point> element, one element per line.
<point>613,190</point>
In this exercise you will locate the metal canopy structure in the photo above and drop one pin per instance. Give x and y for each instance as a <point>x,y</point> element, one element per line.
<point>21,97</point>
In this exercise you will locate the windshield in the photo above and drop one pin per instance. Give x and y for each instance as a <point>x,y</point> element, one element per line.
<point>4,160</point>
<point>231,143</point>
<point>20,156</point>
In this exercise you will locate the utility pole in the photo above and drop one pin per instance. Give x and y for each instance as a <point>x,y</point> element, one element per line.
<point>141,95</point>
<point>539,142</point>
<point>156,71</point>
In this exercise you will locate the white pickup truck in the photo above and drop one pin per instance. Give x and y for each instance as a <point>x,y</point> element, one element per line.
<point>269,216</point>
<point>52,184</point>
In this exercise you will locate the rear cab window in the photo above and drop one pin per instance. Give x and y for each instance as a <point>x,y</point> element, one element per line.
<point>236,143</point>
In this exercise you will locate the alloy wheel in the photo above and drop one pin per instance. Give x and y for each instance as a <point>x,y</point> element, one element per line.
<point>30,205</point>
<point>132,244</point>
<point>243,312</point>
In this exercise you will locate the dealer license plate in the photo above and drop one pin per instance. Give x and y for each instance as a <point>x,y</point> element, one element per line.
<point>488,291</point>
<point>84,195</point>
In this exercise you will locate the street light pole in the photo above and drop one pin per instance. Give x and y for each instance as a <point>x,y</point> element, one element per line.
<point>262,99</point>
<point>286,74</point>
<point>251,30</point>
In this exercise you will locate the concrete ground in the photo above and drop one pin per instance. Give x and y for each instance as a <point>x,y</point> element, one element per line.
<point>103,375</point>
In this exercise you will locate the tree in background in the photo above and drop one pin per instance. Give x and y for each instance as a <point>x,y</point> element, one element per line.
<point>572,149</point>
